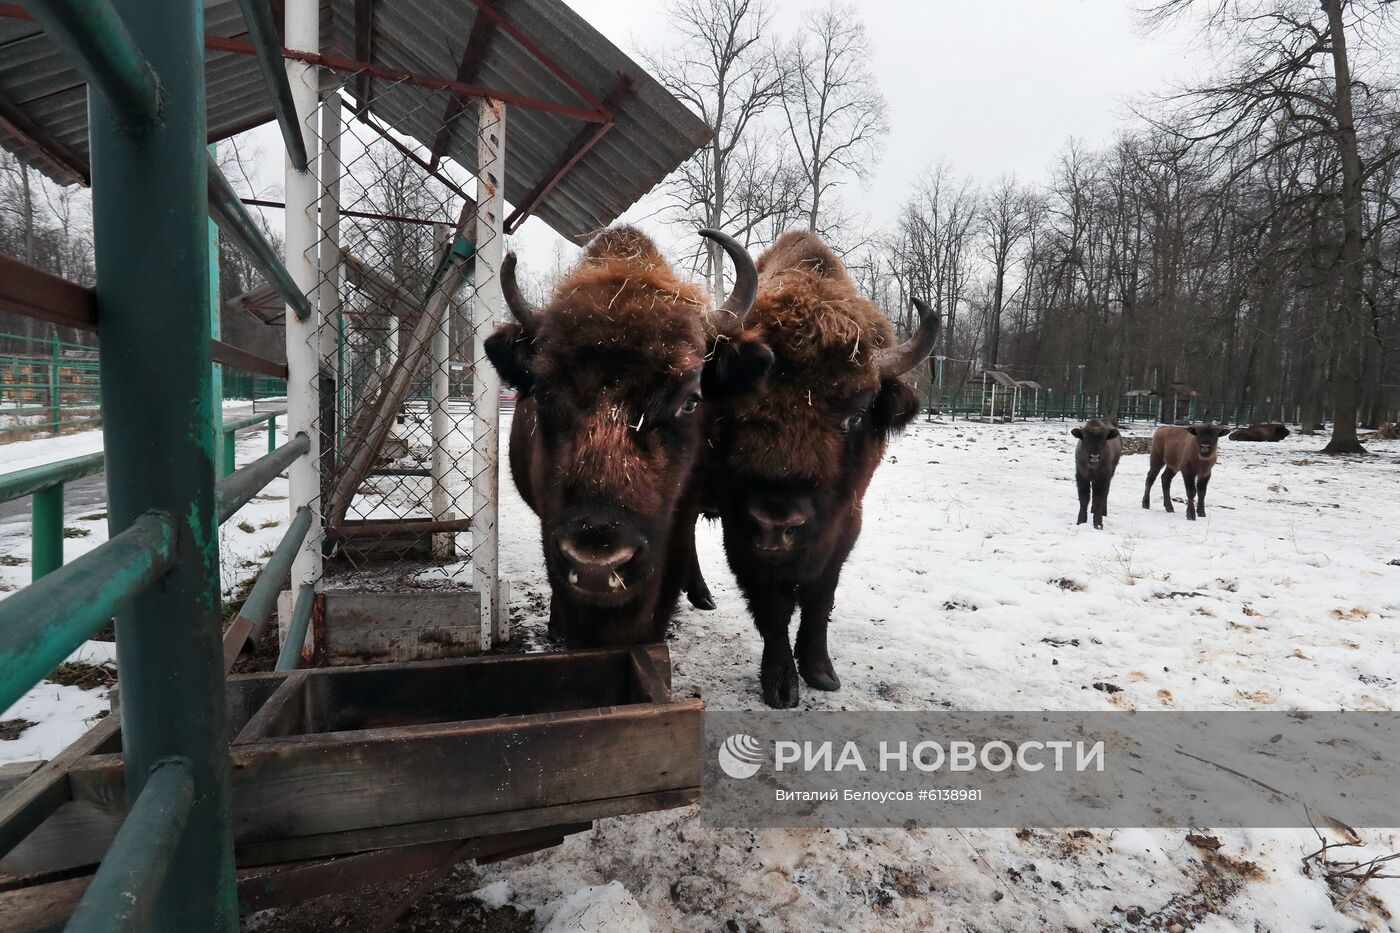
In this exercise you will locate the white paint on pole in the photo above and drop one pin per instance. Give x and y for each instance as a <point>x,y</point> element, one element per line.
<point>443,462</point>
<point>331,265</point>
<point>303,28</point>
<point>486,384</point>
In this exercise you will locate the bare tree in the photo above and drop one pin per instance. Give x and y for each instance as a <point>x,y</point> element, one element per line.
<point>836,115</point>
<point>727,71</point>
<point>1294,74</point>
<point>1005,220</point>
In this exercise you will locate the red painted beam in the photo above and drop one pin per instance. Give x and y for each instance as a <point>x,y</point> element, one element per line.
<point>578,147</point>
<point>484,8</point>
<point>60,163</point>
<point>473,54</point>
<point>414,157</point>
<point>238,358</point>
<point>46,297</point>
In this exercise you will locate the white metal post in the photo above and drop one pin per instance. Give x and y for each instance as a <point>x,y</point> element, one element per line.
<point>443,542</point>
<point>331,267</point>
<point>303,31</point>
<point>486,384</point>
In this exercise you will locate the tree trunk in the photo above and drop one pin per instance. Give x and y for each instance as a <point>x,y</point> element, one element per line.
<point>1349,333</point>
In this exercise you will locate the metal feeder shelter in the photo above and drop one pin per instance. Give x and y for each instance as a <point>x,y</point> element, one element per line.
<point>418,134</point>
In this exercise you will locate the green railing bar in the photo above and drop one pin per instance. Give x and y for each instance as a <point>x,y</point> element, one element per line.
<point>252,420</point>
<point>35,479</point>
<point>122,895</point>
<point>272,434</point>
<point>262,32</point>
<point>229,453</point>
<point>46,531</point>
<point>46,621</point>
<point>257,608</point>
<point>237,489</point>
<point>236,223</point>
<point>106,54</point>
<point>289,658</point>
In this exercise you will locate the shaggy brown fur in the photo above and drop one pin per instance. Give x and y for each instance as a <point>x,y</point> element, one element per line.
<point>789,464</point>
<point>1189,451</point>
<point>606,435</point>
<point>1260,432</point>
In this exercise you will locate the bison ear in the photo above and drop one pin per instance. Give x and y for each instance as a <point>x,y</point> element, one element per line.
<point>1076,432</point>
<point>508,349</point>
<point>895,406</point>
<point>1113,432</point>
<point>1191,430</point>
<point>735,366</point>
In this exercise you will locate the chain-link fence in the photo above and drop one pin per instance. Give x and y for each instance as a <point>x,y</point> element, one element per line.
<point>408,449</point>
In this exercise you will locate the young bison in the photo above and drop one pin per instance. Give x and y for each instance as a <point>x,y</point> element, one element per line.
<point>1095,460</point>
<point>1260,432</point>
<point>1189,451</point>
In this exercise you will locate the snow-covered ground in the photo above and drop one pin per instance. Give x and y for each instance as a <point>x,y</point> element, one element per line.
<point>972,588</point>
<point>1283,598</point>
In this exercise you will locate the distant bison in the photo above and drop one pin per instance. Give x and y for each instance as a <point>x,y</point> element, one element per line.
<point>1260,432</point>
<point>1095,460</point>
<point>1189,451</point>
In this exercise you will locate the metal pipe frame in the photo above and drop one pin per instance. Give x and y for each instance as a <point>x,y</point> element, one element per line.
<point>236,223</point>
<point>237,489</point>
<point>252,618</point>
<point>123,894</point>
<point>150,204</point>
<point>48,620</point>
<point>107,55</point>
<point>289,657</point>
<point>262,30</point>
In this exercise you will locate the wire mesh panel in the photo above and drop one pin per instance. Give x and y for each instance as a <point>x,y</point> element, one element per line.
<point>408,460</point>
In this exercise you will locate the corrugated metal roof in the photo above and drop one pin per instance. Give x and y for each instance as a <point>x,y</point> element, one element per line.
<point>652,132</point>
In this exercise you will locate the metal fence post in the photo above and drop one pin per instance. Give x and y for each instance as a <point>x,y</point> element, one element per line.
<point>46,510</point>
<point>55,398</point>
<point>272,434</point>
<point>150,210</point>
<point>486,383</point>
<point>228,450</point>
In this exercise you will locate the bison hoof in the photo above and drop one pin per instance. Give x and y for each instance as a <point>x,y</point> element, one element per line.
<point>1081,520</point>
<point>819,675</point>
<point>1168,507</point>
<point>1098,525</point>
<point>1190,516</point>
<point>1146,504</point>
<point>780,689</point>
<point>701,599</point>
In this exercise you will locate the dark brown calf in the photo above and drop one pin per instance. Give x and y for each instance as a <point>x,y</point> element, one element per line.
<point>1095,461</point>
<point>1260,432</point>
<point>1189,451</point>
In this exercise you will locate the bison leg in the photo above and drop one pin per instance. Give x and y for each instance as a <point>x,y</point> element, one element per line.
<point>813,662</point>
<point>1189,481</point>
<point>557,629</point>
<point>772,607</point>
<point>1167,475</point>
<point>1083,499</point>
<point>696,590</point>
<point>1151,478</point>
<point>1201,485</point>
<point>1100,502</point>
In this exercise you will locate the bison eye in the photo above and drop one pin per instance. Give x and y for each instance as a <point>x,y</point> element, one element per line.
<point>691,403</point>
<point>853,421</point>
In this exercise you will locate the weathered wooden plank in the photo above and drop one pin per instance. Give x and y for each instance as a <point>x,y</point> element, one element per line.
<point>401,626</point>
<point>281,714</point>
<point>304,785</point>
<point>652,686</point>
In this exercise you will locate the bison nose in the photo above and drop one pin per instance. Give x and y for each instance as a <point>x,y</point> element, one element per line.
<point>597,558</point>
<point>776,532</point>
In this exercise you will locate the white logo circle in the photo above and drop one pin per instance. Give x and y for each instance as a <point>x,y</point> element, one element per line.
<point>740,756</point>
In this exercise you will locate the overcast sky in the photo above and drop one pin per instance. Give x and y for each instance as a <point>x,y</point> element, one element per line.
<point>993,87</point>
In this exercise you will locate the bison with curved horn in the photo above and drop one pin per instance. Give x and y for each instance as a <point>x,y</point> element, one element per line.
<point>608,426</point>
<point>790,462</point>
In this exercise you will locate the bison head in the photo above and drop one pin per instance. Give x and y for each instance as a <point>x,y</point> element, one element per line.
<point>609,424</point>
<point>1207,436</point>
<point>798,453</point>
<point>1094,438</point>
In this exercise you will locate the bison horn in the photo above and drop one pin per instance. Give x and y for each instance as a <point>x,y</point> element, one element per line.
<point>520,307</point>
<point>740,300</point>
<point>896,361</point>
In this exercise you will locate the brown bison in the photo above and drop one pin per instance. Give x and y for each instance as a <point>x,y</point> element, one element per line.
<point>1095,461</point>
<point>1189,451</point>
<point>788,464</point>
<point>1260,432</point>
<point>608,427</point>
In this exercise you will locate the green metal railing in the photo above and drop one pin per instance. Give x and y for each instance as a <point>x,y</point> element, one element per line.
<point>969,402</point>
<point>153,189</point>
<point>49,388</point>
<point>44,485</point>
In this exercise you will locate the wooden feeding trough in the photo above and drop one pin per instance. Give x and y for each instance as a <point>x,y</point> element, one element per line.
<point>504,753</point>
